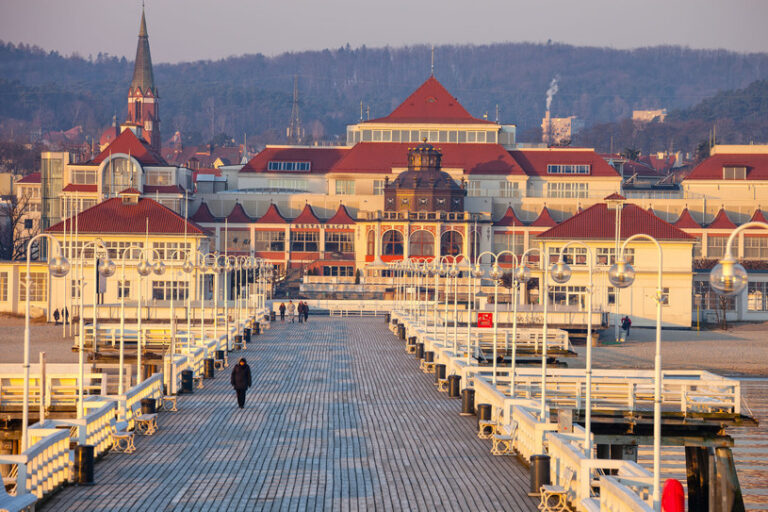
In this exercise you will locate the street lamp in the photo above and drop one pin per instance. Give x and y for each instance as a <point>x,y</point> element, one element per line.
<point>561,274</point>
<point>58,266</point>
<point>728,277</point>
<point>622,275</point>
<point>187,267</point>
<point>144,268</point>
<point>121,292</point>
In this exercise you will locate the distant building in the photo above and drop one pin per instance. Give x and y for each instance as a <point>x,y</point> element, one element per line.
<point>557,130</point>
<point>647,116</point>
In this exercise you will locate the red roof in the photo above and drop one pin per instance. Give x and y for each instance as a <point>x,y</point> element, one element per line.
<point>203,214</point>
<point>509,219</point>
<point>721,221</point>
<point>129,144</point>
<point>544,219</point>
<point>272,216</point>
<point>712,167</point>
<point>430,103</point>
<point>615,197</point>
<point>598,223</point>
<point>535,161</point>
<point>238,215</point>
<point>307,216</point>
<point>341,216</point>
<point>381,157</point>
<point>321,158</point>
<point>758,216</point>
<point>108,135</point>
<point>113,216</point>
<point>72,187</point>
<point>163,189</point>
<point>686,221</point>
<point>30,178</point>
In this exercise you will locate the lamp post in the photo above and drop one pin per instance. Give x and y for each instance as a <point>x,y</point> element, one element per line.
<point>122,289</point>
<point>455,271</point>
<point>187,267</point>
<point>521,277</point>
<point>494,273</point>
<point>622,275</point>
<point>58,266</point>
<point>561,274</point>
<point>144,268</point>
<point>437,272</point>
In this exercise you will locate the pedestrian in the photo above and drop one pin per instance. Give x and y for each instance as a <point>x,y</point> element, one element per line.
<point>291,310</point>
<point>626,323</point>
<point>56,317</point>
<point>241,380</point>
<point>282,311</point>
<point>306,312</point>
<point>66,315</point>
<point>300,309</point>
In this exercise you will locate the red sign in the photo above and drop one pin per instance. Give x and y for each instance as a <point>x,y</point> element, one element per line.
<point>485,320</point>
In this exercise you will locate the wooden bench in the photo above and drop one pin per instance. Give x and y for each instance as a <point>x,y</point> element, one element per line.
<point>170,399</point>
<point>16,503</point>
<point>486,428</point>
<point>442,384</point>
<point>427,367</point>
<point>146,424</point>
<point>554,498</point>
<point>122,438</point>
<point>503,438</point>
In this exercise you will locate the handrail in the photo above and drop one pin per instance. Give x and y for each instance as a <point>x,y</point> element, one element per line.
<point>44,466</point>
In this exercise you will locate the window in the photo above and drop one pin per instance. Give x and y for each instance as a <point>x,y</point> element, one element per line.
<point>304,241</point>
<point>378,187</point>
<point>159,178</point>
<point>167,290</point>
<point>611,295</point>
<point>28,223</point>
<point>716,246</point>
<point>473,188</point>
<point>665,296</point>
<point>116,250</point>
<point>337,241</point>
<point>239,240</point>
<point>370,245</point>
<point>3,286</point>
<point>451,243</point>
<point>734,173</point>
<point>704,298</point>
<point>277,165</point>
<point>82,177</point>
<point>392,243</point>
<point>119,174</point>
<point>75,290</point>
<point>576,256</point>
<point>123,289</point>
<point>567,190</point>
<point>422,244</point>
<point>757,300</point>
<point>568,295</point>
<point>568,169</point>
<point>289,184</point>
<point>343,271</point>
<point>170,250</point>
<point>607,256</point>
<point>508,242</point>
<point>756,247</point>
<point>508,189</point>
<point>345,187</point>
<point>269,241</point>
<point>38,286</point>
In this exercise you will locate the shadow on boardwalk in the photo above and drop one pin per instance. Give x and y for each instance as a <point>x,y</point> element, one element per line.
<point>339,418</point>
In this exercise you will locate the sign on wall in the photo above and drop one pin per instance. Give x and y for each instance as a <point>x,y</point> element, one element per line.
<point>485,320</point>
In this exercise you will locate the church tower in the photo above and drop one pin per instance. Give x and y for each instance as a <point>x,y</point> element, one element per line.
<point>143,107</point>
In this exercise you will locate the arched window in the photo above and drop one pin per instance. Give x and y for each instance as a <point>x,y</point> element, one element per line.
<point>474,244</point>
<point>422,245</point>
<point>119,174</point>
<point>451,243</point>
<point>392,243</point>
<point>371,243</point>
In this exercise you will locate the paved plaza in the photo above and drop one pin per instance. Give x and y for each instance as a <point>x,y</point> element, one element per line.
<point>339,418</point>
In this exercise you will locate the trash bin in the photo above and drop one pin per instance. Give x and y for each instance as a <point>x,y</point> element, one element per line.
<point>484,413</point>
<point>401,331</point>
<point>247,334</point>
<point>454,381</point>
<point>256,328</point>
<point>84,465</point>
<point>219,355</point>
<point>467,402</point>
<point>186,381</point>
<point>208,368</point>
<point>429,356</point>
<point>238,341</point>
<point>439,373</point>
<point>148,406</point>
<point>419,351</point>
<point>272,316</point>
<point>539,473</point>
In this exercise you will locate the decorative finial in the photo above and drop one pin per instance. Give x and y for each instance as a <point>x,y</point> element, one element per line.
<point>432,63</point>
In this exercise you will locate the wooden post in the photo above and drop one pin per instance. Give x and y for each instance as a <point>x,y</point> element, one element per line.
<point>728,488</point>
<point>697,473</point>
<point>42,387</point>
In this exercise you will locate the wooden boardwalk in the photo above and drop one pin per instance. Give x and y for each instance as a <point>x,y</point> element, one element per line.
<point>339,418</point>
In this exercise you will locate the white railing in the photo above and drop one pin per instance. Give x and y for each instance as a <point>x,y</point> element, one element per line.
<point>45,465</point>
<point>60,389</point>
<point>149,388</point>
<point>617,497</point>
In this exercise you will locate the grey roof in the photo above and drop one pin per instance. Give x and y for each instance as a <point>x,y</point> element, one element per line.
<point>143,78</point>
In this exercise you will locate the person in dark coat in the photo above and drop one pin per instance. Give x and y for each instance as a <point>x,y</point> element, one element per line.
<point>306,312</point>
<point>56,317</point>
<point>241,380</point>
<point>282,312</point>
<point>300,309</point>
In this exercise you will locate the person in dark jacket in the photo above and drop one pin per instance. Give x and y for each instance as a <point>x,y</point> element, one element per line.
<point>282,312</point>
<point>306,312</point>
<point>300,309</point>
<point>241,380</point>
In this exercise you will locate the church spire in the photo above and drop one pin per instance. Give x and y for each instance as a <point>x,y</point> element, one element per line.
<point>143,78</point>
<point>143,100</point>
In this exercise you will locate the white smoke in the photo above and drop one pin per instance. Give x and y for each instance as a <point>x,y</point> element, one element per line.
<point>553,88</point>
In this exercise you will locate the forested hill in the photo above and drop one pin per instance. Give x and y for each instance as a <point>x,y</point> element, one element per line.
<point>253,93</point>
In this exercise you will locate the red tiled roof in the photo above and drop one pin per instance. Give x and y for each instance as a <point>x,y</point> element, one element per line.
<point>108,135</point>
<point>238,215</point>
<point>615,197</point>
<point>686,221</point>
<point>430,103</point>
<point>381,157</point>
<point>307,216</point>
<point>203,214</point>
<point>321,158</point>
<point>544,219</point>
<point>129,192</point>
<point>272,216</point>
<point>758,216</point>
<point>30,178</point>
<point>598,223</point>
<point>509,219</point>
<point>73,187</point>
<point>163,189</point>
<point>128,143</point>
<point>712,167</point>
<point>341,216</point>
<point>534,162</point>
<point>721,221</point>
<point>112,216</point>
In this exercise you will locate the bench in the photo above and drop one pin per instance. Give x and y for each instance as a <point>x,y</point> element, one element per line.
<point>486,428</point>
<point>442,384</point>
<point>122,438</point>
<point>427,367</point>
<point>220,364</point>
<point>503,438</point>
<point>16,503</point>
<point>169,399</point>
<point>554,498</point>
<point>146,424</point>
<point>197,379</point>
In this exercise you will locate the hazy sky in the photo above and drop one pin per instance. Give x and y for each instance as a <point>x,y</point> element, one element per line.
<point>184,30</point>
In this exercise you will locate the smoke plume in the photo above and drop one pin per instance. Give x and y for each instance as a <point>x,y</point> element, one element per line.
<point>552,91</point>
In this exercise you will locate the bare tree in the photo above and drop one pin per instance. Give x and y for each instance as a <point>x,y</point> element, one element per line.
<point>13,233</point>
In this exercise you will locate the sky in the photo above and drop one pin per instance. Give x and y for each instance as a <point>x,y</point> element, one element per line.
<point>189,30</point>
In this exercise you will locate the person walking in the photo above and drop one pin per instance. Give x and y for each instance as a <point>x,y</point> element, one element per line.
<point>241,380</point>
<point>282,311</point>
<point>56,317</point>
<point>291,310</point>
<point>626,323</point>
<point>66,315</point>
<point>306,312</point>
<point>300,309</point>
